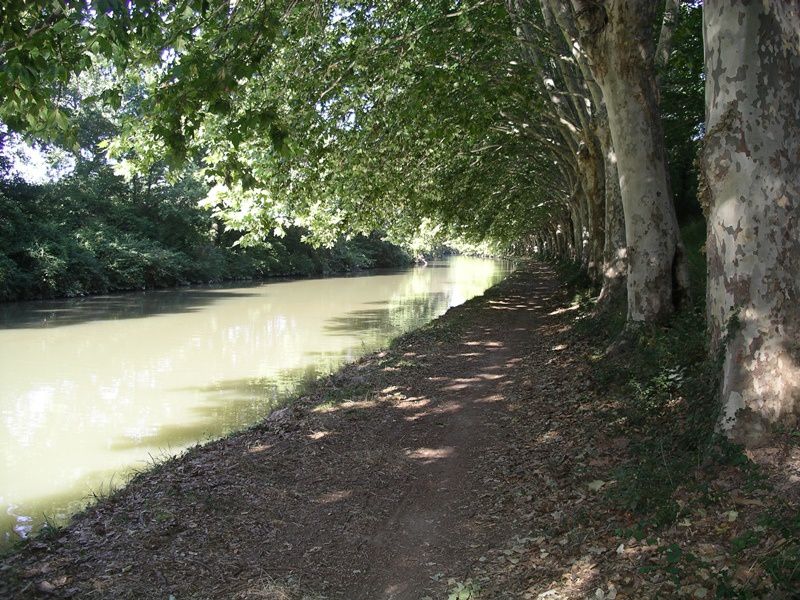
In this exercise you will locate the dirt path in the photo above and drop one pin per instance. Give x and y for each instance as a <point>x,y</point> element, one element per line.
<point>455,404</point>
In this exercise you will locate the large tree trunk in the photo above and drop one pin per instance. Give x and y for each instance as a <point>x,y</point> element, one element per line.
<point>751,191</point>
<point>617,37</point>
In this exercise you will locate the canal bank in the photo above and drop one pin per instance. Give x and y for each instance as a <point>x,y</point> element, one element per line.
<point>476,458</point>
<point>96,388</point>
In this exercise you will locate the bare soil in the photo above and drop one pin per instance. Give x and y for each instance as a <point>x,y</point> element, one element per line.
<point>467,462</point>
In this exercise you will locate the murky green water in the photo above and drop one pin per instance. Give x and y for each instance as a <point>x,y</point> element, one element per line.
<point>91,389</point>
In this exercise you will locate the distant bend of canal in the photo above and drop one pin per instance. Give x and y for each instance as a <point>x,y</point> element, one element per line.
<point>94,388</point>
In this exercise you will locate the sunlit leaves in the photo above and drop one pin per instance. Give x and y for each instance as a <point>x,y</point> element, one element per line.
<point>199,49</point>
<point>340,116</point>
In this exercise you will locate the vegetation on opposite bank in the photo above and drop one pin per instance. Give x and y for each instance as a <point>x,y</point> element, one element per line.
<point>93,232</point>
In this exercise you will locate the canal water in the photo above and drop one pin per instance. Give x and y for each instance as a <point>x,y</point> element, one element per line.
<point>95,388</point>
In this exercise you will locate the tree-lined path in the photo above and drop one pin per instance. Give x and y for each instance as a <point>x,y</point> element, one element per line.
<point>635,437</point>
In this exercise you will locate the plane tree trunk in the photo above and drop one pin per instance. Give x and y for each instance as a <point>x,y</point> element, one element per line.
<point>615,251</point>
<point>750,190</point>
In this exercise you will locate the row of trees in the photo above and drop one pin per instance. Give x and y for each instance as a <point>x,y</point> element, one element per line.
<point>749,188</point>
<point>534,122</point>
<point>750,181</point>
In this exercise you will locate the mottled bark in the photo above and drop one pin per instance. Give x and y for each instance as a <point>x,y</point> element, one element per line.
<point>751,193</point>
<point>615,252</point>
<point>617,37</point>
<point>590,164</point>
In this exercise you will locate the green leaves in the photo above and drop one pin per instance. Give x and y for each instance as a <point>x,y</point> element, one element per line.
<point>463,590</point>
<point>344,116</point>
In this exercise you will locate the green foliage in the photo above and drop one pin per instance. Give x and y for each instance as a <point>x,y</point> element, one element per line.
<point>337,117</point>
<point>45,43</point>
<point>683,109</point>
<point>95,233</point>
<point>462,590</point>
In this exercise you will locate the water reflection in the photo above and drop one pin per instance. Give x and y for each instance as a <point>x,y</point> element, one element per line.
<point>60,313</point>
<point>93,387</point>
<point>396,314</point>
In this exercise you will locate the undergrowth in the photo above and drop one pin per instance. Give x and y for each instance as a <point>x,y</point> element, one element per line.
<point>663,385</point>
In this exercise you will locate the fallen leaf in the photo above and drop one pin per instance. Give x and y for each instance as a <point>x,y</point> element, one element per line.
<point>47,587</point>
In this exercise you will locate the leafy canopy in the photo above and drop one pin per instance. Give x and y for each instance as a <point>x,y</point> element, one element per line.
<point>339,116</point>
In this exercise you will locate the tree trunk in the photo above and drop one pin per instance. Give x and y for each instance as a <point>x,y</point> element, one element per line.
<point>562,231</point>
<point>751,193</point>
<point>615,251</point>
<point>672,12</point>
<point>617,38</point>
<point>590,164</point>
<point>576,230</point>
